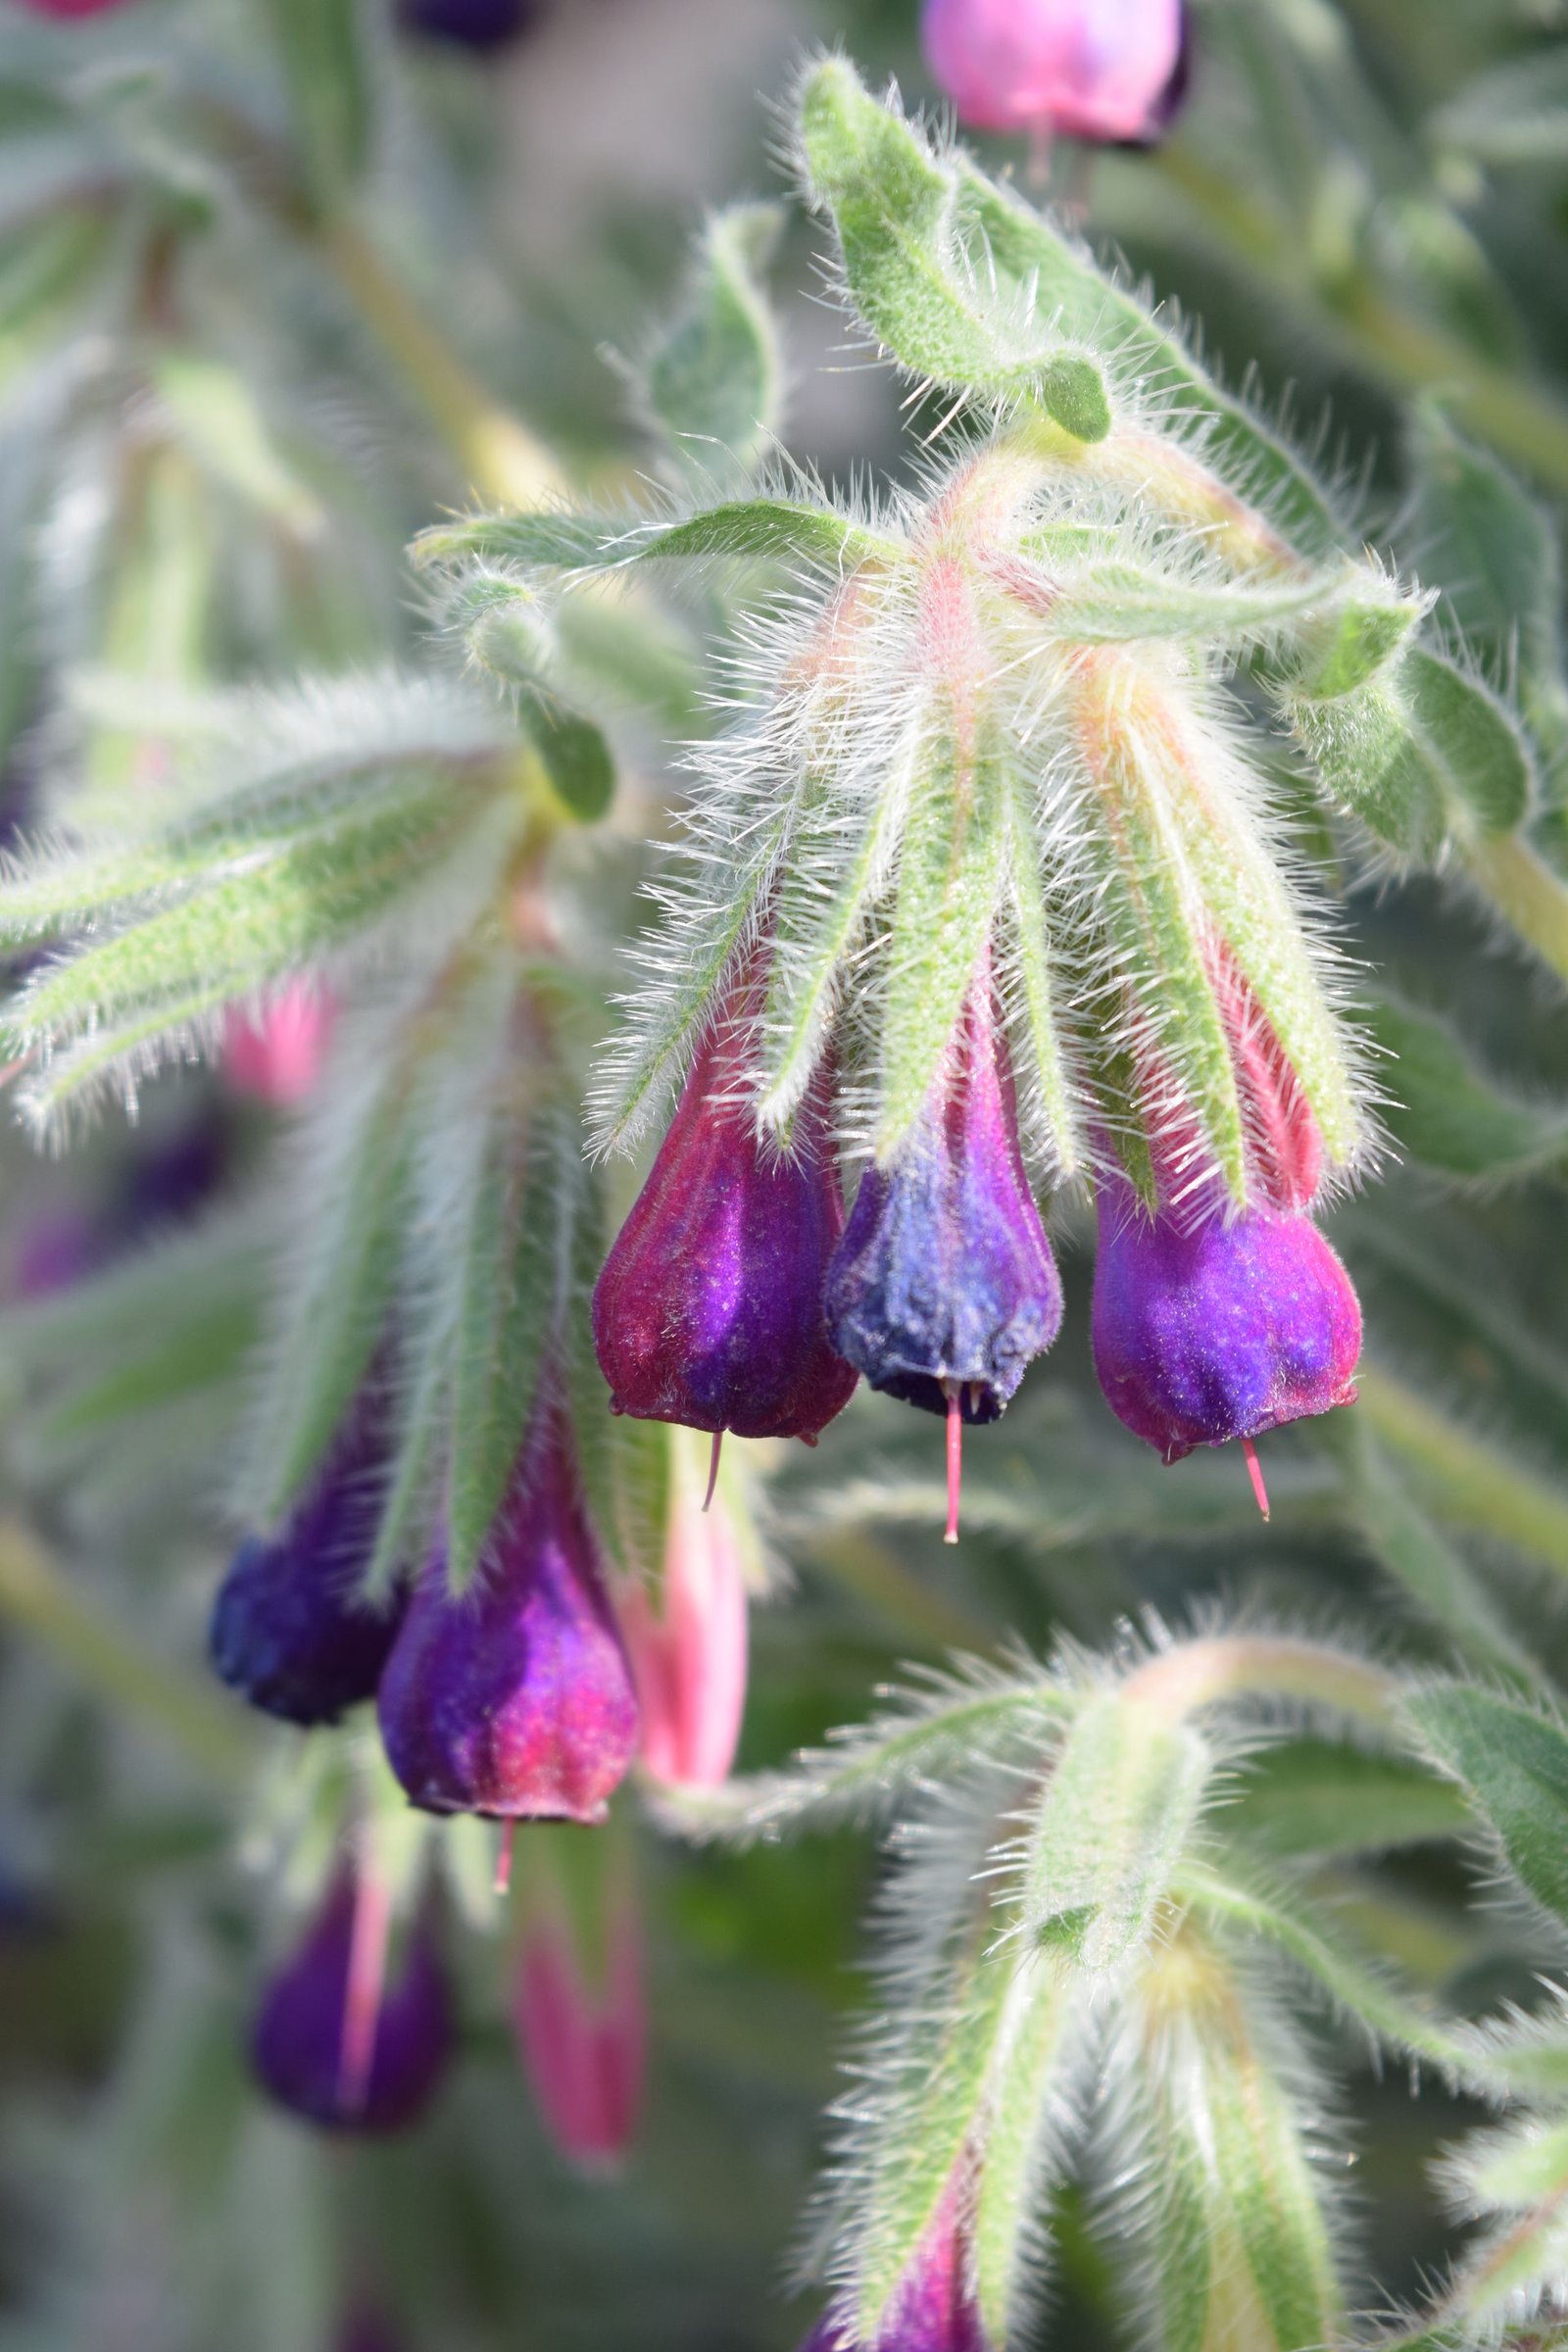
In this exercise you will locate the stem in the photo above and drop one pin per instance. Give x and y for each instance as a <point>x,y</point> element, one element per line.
<point>504,462</point>
<point>98,1650</point>
<point>1523,421</point>
<point>1198,1674</point>
<point>1473,1484</point>
<point>1526,892</point>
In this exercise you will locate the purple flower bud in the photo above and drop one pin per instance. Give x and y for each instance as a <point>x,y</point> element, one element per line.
<point>943,1288</point>
<point>517,1699</point>
<point>290,1631</point>
<point>1220,1332</point>
<point>934,2309</point>
<point>1112,71</point>
<point>470,23</point>
<point>336,2044</point>
<point>709,1310</point>
<point>367,2328</point>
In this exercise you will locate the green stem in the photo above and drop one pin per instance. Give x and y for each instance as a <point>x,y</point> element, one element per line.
<point>502,461</point>
<point>1523,421</point>
<point>103,1654</point>
<point>1471,1482</point>
<point>1527,893</point>
<point>1198,1674</point>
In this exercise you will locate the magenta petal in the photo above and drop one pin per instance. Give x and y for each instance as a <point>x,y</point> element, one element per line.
<point>515,1700</point>
<point>1222,1331</point>
<point>935,2309</point>
<point>1102,70</point>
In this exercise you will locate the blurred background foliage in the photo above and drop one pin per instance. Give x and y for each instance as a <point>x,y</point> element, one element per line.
<point>228,399</point>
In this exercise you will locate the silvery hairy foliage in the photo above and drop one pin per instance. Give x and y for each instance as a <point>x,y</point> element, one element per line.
<point>1116,729</point>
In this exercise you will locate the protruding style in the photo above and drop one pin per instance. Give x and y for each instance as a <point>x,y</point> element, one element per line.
<point>516,1699</point>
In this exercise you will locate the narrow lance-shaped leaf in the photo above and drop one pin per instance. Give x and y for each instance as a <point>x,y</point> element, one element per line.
<point>1514,1764</point>
<point>1042,1070</point>
<point>1029,2100</point>
<point>1449,1117</point>
<point>742,530</point>
<point>713,384</point>
<point>321,46</point>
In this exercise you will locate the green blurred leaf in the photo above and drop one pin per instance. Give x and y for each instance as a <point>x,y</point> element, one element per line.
<point>1449,1115</point>
<point>713,384</point>
<point>322,46</point>
<point>1514,1764</point>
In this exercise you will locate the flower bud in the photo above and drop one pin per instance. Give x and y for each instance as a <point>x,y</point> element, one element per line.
<point>277,1055</point>
<point>290,1631</point>
<point>468,24</point>
<point>336,2044</point>
<point>934,2309</point>
<point>1222,1330</point>
<point>582,2045</point>
<point>688,1654</point>
<point>1102,70</point>
<point>516,1699</point>
<point>709,1310</point>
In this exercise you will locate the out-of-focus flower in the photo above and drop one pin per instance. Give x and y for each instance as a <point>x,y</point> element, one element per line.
<point>290,1631</point>
<point>515,1700</point>
<point>709,1310</point>
<point>581,2031</point>
<point>470,23</point>
<point>72,8</point>
<point>688,1640</point>
<point>276,1055</point>
<point>337,2044</point>
<point>1104,69</point>
<point>367,2328</point>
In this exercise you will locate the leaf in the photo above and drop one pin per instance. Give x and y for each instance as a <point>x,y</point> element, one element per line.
<point>1116,602</point>
<point>1514,1764</point>
<point>1317,1799</point>
<point>1466,1479</point>
<point>1047,1086</point>
<point>1028,2097</point>
<point>1449,1117</point>
<point>217,414</point>
<point>738,531</point>
<point>1516,113</point>
<point>573,754</point>
<point>950,880</point>
<point>963,284</point>
<point>715,381</point>
<point>322,47</point>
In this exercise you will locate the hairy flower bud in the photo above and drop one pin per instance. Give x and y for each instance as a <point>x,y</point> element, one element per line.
<point>277,1055</point>
<point>934,2309</point>
<point>709,1310</point>
<point>582,2045</point>
<point>689,1650</point>
<point>516,1699</point>
<point>335,2043</point>
<point>1102,70</point>
<point>1220,1330</point>
<point>290,1631</point>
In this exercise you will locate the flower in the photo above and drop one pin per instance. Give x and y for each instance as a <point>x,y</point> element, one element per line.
<point>289,1629</point>
<point>709,1310</point>
<point>583,2049</point>
<point>689,1655</point>
<point>277,1055</point>
<point>332,2042</point>
<point>933,2310</point>
<point>1102,70</point>
<point>468,24</point>
<point>72,8</point>
<point>516,1699</point>
<point>943,1288</point>
<point>1220,1330</point>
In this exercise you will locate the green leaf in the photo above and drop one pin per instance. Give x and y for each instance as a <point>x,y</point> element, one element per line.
<point>1047,1087</point>
<point>1514,1764</point>
<point>1449,1117</point>
<point>1464,1477</point>
<point>1114,602</point>
<point>965,285</point>
<point>219,419</point>
<point>322,47</point>
<point>950,880</point>
<point>1317,1799</point>
<point>573,754</point>
<point>1516,113</point>
<point>1031,2070</point>
<point>751,529</point>
<point>715,381</point>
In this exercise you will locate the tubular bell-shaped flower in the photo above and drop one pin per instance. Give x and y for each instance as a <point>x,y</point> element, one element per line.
<point>688,1638</point>
<point>289,1629</point>
<point>276,1055</point>
<point>578,2011</point>
<point>1102,70</point>
<point>334,2041</point>
<point>709,1310</point>
<point>514,1700</point>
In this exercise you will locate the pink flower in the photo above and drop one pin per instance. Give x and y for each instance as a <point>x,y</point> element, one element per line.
<point>689,1653</point>
<point>934,2309</point>
<point>278,1056</point>
<point>582,2046</point>
<point>1104,69</point>
<point>72,8</point>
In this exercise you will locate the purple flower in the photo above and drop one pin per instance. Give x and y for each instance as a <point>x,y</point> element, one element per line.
<point>470,23</point>
<point>290,1631</point>
<point>332,2040</point>
<point>517,1699</point>
<point>1220,1332</point>
<point>943,1288</point>
<point>367,2328</point>
<point>709,1310</point>
<point>1111,70</point>
<point>934,2311</point>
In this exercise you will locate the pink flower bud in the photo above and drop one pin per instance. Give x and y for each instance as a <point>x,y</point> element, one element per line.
<point>582,2047</point>
<point>278,1055</point>
<point>71,8</point>
<point>934,2309</point>
<point>1104,69</point>
<point>689,1652</point>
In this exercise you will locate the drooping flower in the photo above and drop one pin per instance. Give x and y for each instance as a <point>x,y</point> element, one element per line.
<point>582,2043</point>
<point>277,1055</point>
<point>709,1310</point>
<point>334,2041</point>
<point>934,2309</point>
<point>289,1630</point>
<point>688,1645</point>
<point>1108,70</point>
<point>72,8</point>
<point>516,1699</point>
<point>943,1288</point>
<point>1221,1330</point>
<point>468,24</point>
